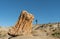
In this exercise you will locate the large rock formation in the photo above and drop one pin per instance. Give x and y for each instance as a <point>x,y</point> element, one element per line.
<point>23,26</point>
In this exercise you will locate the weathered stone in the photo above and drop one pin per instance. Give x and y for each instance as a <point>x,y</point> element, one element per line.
<point>24,24</point>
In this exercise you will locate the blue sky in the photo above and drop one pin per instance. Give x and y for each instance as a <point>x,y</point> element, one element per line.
<point>44,11</point>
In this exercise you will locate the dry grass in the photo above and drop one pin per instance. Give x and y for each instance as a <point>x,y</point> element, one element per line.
<point>3,32</point>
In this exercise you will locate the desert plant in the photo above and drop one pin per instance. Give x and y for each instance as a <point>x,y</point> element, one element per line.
<point>3,33</point>
<point>36,21</point>
<point>56,34</point>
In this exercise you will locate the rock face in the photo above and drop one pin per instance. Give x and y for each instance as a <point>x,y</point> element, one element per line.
<point>24,24</point>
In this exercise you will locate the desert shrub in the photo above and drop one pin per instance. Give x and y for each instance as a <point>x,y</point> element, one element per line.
<point>56,34</point>
<point>34,33</point>
<point>3,34</point>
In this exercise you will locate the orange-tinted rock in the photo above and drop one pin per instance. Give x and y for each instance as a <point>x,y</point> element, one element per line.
<point>24,24</point>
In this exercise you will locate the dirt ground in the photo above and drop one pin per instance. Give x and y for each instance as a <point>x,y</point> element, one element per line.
<point>35,35</point>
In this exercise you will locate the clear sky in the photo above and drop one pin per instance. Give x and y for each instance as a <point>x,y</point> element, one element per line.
<point>44,11</point>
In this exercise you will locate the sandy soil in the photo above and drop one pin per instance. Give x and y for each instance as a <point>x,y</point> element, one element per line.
<point>35,35</point>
